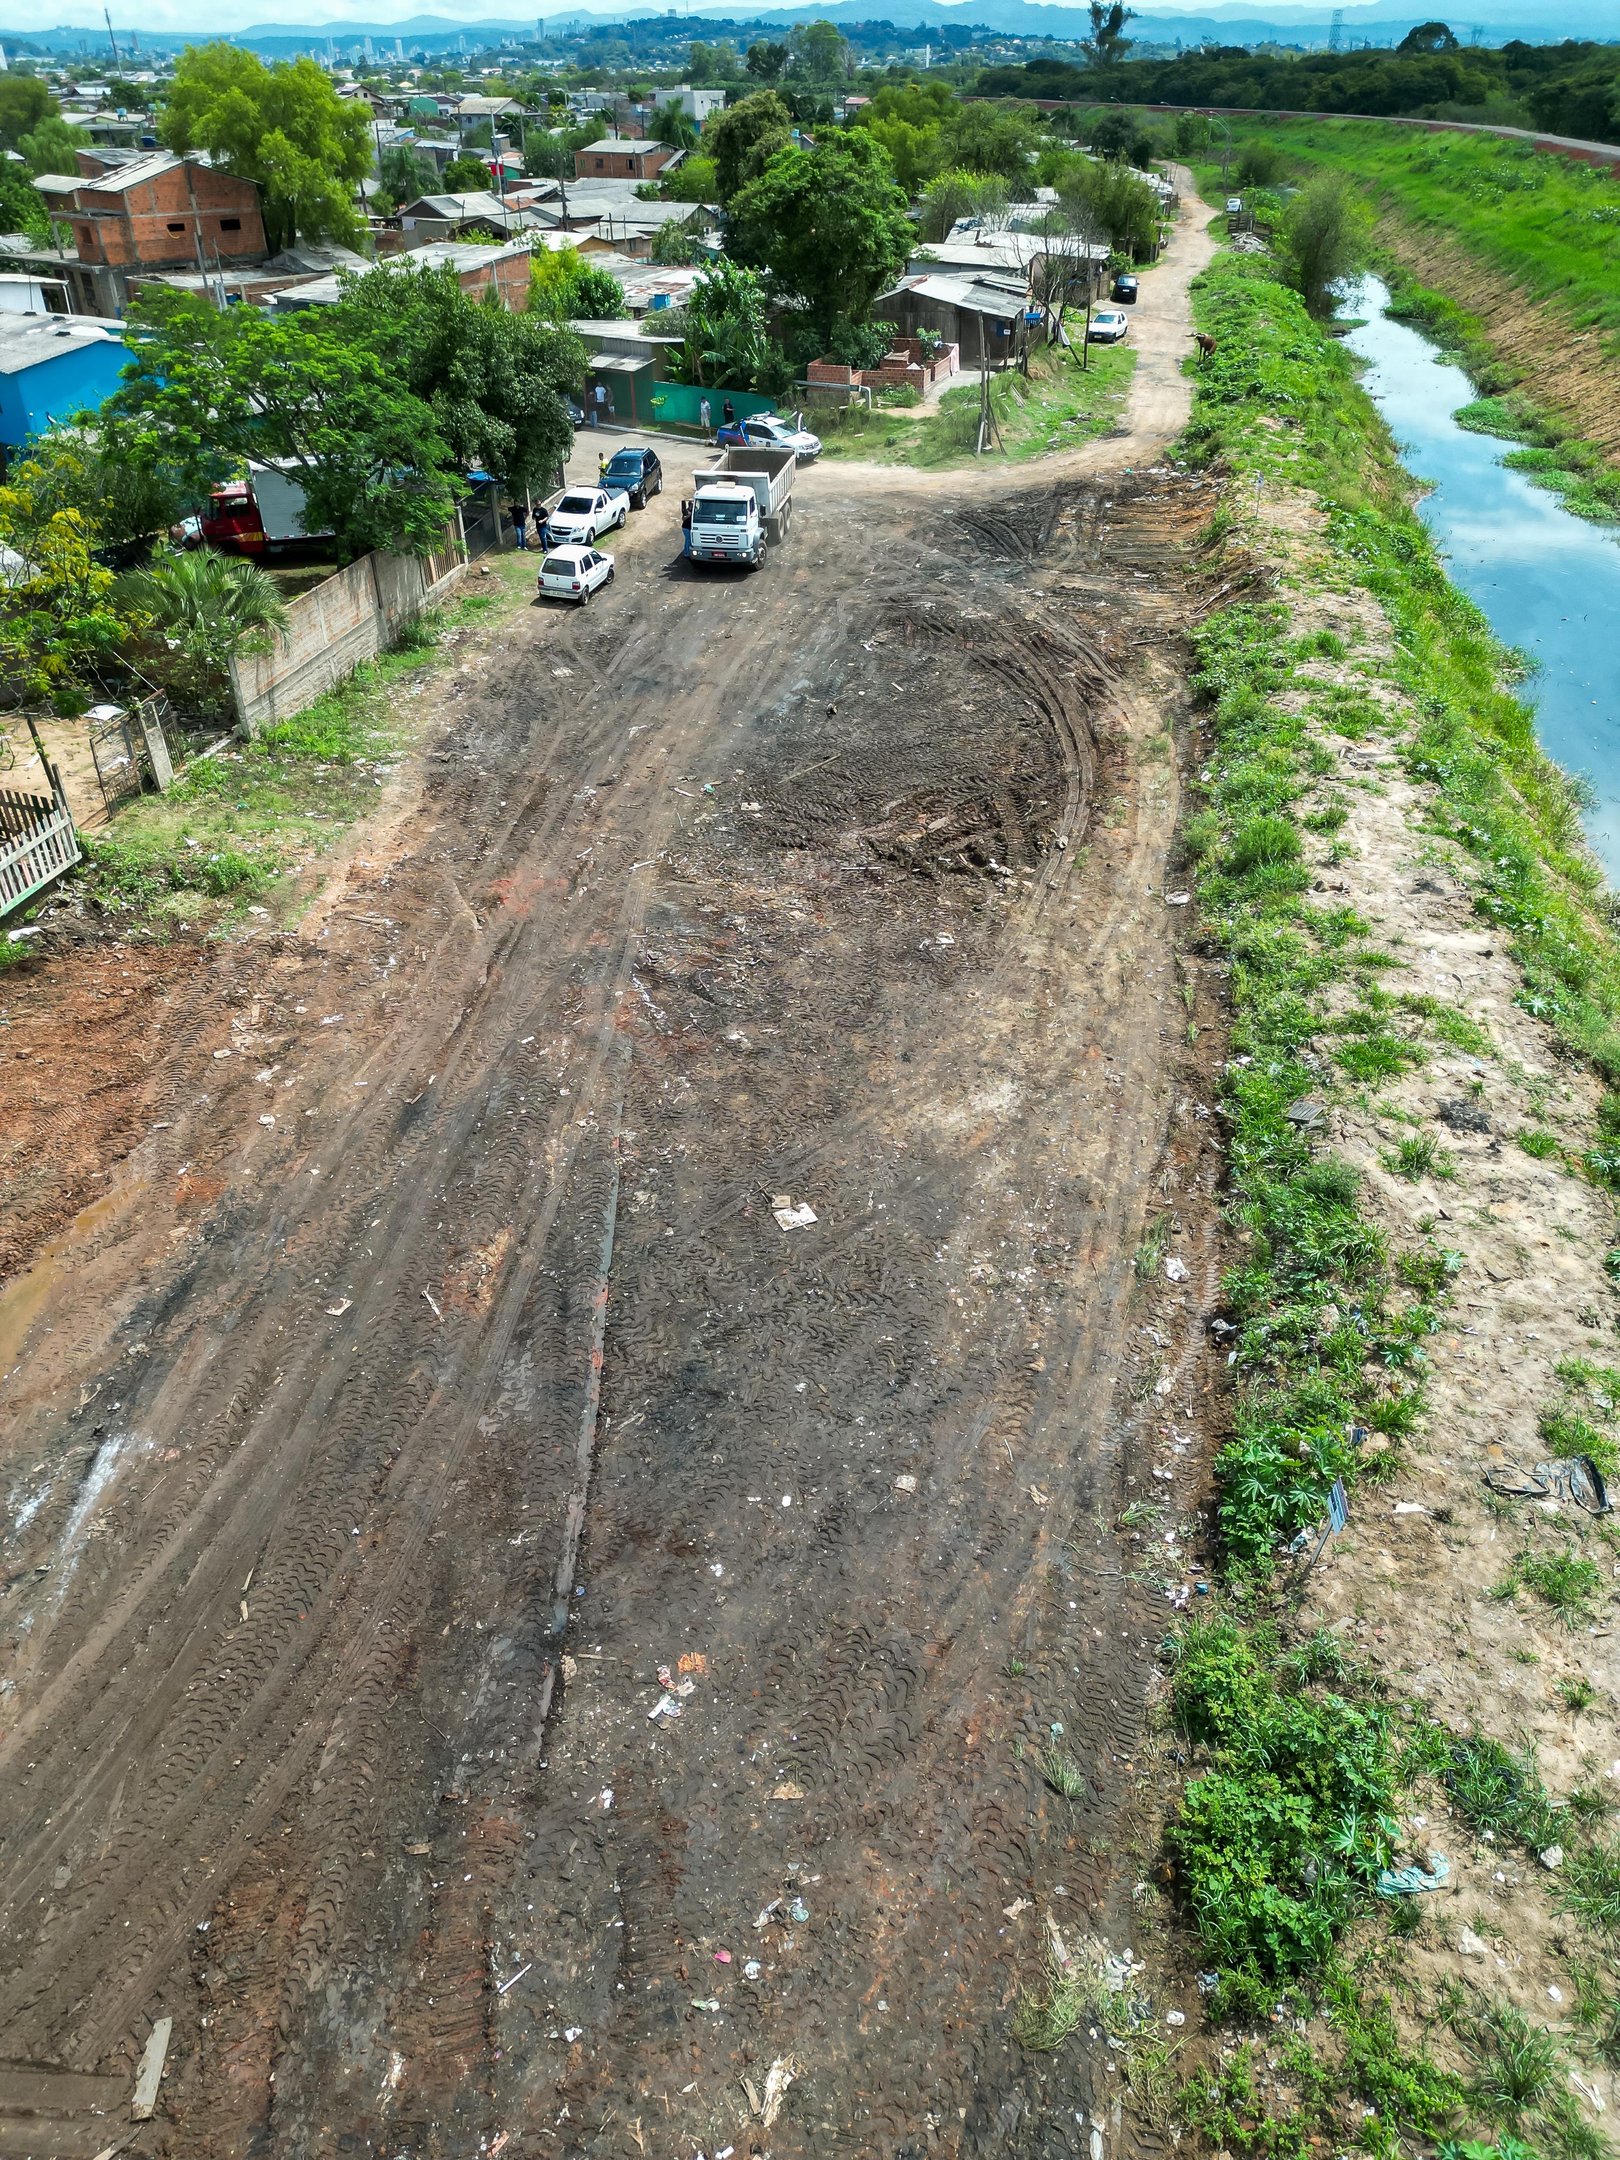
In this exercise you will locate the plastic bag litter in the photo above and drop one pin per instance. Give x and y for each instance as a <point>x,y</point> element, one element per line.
<point>1575,1478</point>
<point>1412,1881</point>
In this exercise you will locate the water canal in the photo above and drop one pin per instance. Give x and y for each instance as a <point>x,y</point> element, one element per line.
<point>1548,582</point>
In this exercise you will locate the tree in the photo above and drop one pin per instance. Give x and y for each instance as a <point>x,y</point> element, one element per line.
<point>913,151</point>
<point>723,323</point>
<point>284,127</point>
<point>828,223</point>
<point>1121,135</point>
<point>712,64</point>
<point>564,287</point>
<point>672,125</point>
<point>206,390</point>
<point>956,194</point>
<point>672,244</point>
<point>22,208</point>
<point>1324,239</point>
<point>767,63</point>
<point>60,631</point>
<point>464,175</point>
<point>406,174</point>
<point>989,139</point>
<point>202,609</point>
<point>1107,45</point>
<point>1429,37</point>
<point>51,147</point>
<point>743,139</point>
<point>94,470</point>
<point>494,381</point>
<point>694,180</point>
<point>821,54</point>
<point>1112,203</point>
<point>24,103</point>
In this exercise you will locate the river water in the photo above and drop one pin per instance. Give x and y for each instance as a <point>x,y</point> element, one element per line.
<point>1548,582</point>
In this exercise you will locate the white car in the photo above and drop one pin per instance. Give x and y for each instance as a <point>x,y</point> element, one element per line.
<point>1108,326</point>
<point>774,434</point>
<point>583,515</point>
<point>573,573</point>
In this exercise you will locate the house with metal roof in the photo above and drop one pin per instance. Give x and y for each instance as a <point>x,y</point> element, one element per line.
<point>53,367</point>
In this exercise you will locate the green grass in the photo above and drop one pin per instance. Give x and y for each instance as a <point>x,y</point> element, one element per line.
<point>235,826</point>
<point>1568,1582</point>
<point>1057,407</point>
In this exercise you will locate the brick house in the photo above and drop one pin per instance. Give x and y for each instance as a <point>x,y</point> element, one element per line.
<point>156,212</point>
<point>621,157</point>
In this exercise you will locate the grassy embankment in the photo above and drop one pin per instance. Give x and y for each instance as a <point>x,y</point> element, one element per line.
<point>1057,406</point>
<point>1300,1757</point>
<point>1506,257</point>
<point>237,825</point>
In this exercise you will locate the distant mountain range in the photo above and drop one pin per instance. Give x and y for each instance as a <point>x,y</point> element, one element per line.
<point>1233,24</point>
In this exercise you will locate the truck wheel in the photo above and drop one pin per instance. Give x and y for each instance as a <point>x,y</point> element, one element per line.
<point>758,562</point>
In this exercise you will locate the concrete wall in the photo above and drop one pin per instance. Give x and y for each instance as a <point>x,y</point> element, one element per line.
<point>334,628</point>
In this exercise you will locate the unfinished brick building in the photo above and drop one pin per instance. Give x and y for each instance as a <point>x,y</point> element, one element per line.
<point>155,212</point>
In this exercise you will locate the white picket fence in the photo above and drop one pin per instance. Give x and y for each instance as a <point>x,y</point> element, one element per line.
<point>37,843</point>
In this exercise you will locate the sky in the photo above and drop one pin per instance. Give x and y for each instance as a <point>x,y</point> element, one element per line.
<point>196,16</point>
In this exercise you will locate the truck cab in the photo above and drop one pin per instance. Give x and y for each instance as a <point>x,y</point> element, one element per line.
<point>726,525</point>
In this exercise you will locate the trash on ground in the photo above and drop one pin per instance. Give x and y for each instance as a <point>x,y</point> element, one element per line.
<point>1552,1859</point>
<point>705,2002</point>
<point>1177,899</point>
<point>1307,1113</point>
<point>799,1911</point>
<point>337,1311</point>
<point>1018,1905</point>
<point>665,1707</point>
<point>516,1977</point>
<point>787,1790</point>
<point>789,1216</point>
<point>1175,1270</point>
<point>150,2074</point>
<point>1471,1945</point>
<point>1410,1507</point>
<point>753,1969</point>
<point>433,1304</point>
<point>1575,1478</point>
<point>767,2105</point>
<point>1412,1881</point>
<point>905,1484</point>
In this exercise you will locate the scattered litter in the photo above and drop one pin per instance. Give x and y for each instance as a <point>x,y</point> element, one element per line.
<point>763,1918</point>
<point>1177,899</point>
<point>1587,2091</point>
<point>905,1484</point>
<point>790,1217</point>
<point>1175,1270</point>
<point>1208,1982</point>
<point>1175,2017</point>
<point>705,2002</point>
<point>1575,1478</point>
<point>768,2105</point>
<point>222,1053</point>
<point>572,2032</point>
<point>753,1969</point>
<point>331,1020</point>
<point>428,1294</point>
<point>337,1311</point>
<point>516,1977</point>
<point>150,2074</point>
<point>1471,1945</point>
<point>798,1911</point>
<point>787,1790</point>
<point>1040,1498</point>
<point>1307,1113</point>
<point>1552,1859</point>
<point>665,1707</point>
<point>605,1796</point>
<point>1411,1881</point>
<point>1018,1905</point>
<point>420,1848</point>
<point>1410,1507</point>
<point>722,1957</point>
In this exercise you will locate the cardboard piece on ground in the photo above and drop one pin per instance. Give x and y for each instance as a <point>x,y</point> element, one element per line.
<point>147,2079</point>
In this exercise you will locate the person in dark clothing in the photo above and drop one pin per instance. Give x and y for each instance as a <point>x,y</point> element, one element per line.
<point>686,525</point>
<point>520,523</point>
<point>728,413</point>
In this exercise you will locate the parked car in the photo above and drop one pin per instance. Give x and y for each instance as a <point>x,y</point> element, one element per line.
<point>575,411</point>
<point>1108,326</point>
<point>1234,205</point>
<point>573,573</point>
<point>1125,288</point>
<point>636,473</point>
<point>765,431</point>
<point>583,515</point>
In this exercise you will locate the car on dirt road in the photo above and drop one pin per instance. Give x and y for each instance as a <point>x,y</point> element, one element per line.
<point>1126,289</point>
<point>583,515</point>
<point>1108,326</point>
<point>574,573</point>
<point>636,473</point>
<point>765,431</point>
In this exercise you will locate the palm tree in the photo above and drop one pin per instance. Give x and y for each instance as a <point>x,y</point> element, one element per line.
<point>207,606</point>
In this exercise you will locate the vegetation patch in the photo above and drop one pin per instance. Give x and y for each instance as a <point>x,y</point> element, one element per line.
<point>1056,406</point>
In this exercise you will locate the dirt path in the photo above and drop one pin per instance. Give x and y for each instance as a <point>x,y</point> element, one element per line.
<point>435,1372</point>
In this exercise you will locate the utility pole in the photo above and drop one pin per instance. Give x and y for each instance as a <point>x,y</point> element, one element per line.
<point>118,65</point>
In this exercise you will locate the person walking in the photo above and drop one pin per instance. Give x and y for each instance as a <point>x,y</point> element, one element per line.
<point>705,415</point>
<point>520,523</point>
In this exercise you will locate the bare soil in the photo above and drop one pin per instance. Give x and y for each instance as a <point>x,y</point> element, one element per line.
<point>504,1643</point>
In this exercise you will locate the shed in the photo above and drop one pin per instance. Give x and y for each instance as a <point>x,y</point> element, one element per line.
<point>53,367</point>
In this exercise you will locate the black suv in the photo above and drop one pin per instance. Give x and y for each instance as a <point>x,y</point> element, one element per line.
<point>1125,287</point>
<point>636,473</point>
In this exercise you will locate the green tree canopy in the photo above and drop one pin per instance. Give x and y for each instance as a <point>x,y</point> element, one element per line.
<point>206,390</point>
<point>22,207</point>
<point>990,139</point>
<point>828,223</point>
<point>723,323</point>
<point>956,194</point>
<point>1324,238</point>
<point>406,174</point>
<point>565,287</point>
<point>743,139</point>
<point>1106,45</point>
<point>464,175</point>
<point>1429,37</point>
<point>767,62</point>
<point>672,124</point>
<point>24,103</point>
<point>493,380</point>
<point>913,151</point>
<point>61,633</point>
<point>694,180</point>
<point>50,147</point>
<point>283,127</point>
<point>822,55</point>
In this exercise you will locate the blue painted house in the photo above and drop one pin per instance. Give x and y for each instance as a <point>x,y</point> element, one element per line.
<point>51,367</point>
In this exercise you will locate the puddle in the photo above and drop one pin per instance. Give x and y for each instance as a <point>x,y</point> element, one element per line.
<point>1548,582</point>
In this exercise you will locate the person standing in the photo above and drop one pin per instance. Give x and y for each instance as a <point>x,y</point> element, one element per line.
<point>705,415</point>
<point>520,523</point>
<point>686,525</point>
<point>601,403</point>
<point>728,413</point>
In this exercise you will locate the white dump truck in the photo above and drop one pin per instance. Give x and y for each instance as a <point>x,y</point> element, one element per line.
<point>741,504</point>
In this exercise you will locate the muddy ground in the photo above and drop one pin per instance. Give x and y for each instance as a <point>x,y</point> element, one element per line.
<point>504,1642</point>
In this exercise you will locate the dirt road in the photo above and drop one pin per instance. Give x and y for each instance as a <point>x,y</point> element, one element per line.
<point>505,1642</point>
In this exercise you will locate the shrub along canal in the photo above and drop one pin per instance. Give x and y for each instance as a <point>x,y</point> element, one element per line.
<point>1547,581</point>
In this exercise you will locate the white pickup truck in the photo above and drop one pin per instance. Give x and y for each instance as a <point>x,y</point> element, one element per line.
<point>740,505</point>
